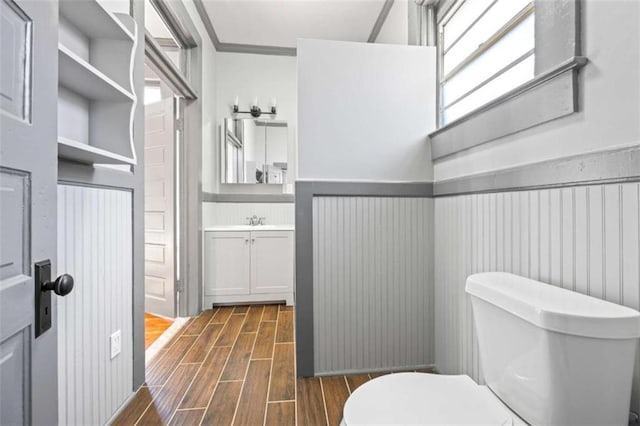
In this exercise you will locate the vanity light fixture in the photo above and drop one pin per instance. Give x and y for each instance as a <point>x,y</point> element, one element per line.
<point>255,110</point>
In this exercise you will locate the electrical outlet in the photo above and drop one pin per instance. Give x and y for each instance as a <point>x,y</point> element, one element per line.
<point>116,343</point>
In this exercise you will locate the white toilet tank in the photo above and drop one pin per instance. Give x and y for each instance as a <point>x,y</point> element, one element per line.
<point>554,356</point>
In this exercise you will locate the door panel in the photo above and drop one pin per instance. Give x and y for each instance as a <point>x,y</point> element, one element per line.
<point>159,208</point>
<point>154,253</point>
<point>14,386</point>
<point>271,261</point>
<point>28,178</point>
<point>15,279</point>
<point>155,286</point>
<point>227,263</point>
<point>14,204</point>
<point>16,61</point>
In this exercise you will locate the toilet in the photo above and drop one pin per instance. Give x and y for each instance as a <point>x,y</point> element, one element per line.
<point>549,356</point>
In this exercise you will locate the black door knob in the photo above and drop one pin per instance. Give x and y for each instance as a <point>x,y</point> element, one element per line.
<point>61,286</point>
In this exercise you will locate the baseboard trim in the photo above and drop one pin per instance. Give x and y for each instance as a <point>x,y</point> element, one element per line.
<point>164,338</point>
<point>349,372</point>
<point>124,405</point>
<point>248,299</point>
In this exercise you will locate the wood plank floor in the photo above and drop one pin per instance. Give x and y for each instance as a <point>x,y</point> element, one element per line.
<point>236,366</point>
<point>154,327</point>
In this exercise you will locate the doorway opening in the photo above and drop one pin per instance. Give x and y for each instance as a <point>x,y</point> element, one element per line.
<point>162,176</point>
<point>168,54</point>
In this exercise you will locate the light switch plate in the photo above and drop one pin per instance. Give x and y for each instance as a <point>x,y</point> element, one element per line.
<point>116,343</point>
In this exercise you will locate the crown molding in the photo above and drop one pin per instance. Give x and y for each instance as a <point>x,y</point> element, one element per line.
<point>274,50</point>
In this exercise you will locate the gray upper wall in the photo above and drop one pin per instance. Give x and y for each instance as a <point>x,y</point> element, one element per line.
<point>355,125</point>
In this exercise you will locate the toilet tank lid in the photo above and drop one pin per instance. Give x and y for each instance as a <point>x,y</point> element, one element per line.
<point>554,308</point>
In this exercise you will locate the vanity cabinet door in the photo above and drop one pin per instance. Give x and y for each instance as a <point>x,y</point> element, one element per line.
<point>271,261</point>
<point>227,263</point>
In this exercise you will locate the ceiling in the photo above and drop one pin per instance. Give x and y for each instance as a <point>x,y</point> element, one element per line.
<point>281,22</point>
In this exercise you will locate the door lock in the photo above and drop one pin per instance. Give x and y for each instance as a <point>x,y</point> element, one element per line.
<point>43,287</point>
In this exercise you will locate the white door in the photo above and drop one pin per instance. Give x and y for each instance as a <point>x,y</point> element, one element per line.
<point>28,219</point>
<point>227,262</point>
<point>271,261</point>
<point>159,208</point>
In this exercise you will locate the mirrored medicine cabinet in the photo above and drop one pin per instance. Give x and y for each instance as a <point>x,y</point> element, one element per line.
<point>254,151</point>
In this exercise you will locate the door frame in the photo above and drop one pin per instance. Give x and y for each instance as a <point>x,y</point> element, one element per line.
<point>188,150</point>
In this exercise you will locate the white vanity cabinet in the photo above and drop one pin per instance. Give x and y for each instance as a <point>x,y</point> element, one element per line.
<point>271,262</point>
<point>227,263</point>
<point>245,266</point>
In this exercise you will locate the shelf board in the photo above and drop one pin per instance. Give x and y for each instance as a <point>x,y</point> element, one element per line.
<point>90,17</point>
<point>83,78</point>
<point>84,153</point>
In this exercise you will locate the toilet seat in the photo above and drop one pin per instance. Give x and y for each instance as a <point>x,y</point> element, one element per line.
<point>426,399</point>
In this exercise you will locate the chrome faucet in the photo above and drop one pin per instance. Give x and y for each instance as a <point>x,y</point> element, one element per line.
<point>255,220</point>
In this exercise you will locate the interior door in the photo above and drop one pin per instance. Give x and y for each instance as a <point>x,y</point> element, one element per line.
<point>159,206</point>
<point>28,179</point>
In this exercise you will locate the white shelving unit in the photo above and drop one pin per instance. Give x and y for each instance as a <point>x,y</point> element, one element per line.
<point>96,97</point>
<point>84,153</point>
<point>81,77</point>
<point>95,21</point>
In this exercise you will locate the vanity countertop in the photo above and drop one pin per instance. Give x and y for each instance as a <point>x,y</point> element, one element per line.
<point>239,228</point>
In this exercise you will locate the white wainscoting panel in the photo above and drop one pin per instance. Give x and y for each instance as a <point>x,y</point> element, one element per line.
<point>373,283</point>
<point>95,247</point>
<point>220,214</point>
<point>585,239</point>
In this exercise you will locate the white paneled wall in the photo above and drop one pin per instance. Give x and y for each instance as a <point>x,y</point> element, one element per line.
<point>584,239</point>
<point>373,283</point>
<point>216,214</point>
<point>95,247</point>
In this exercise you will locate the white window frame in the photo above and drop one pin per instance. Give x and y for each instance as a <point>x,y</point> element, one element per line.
<point>179,79</point>
<point>551,94</point>
<point>478,52</point>
<point>181,40</point>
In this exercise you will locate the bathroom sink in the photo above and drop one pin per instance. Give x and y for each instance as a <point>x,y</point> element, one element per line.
<point>250,228</point>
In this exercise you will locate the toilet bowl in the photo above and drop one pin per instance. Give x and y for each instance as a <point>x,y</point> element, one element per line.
<point>538,345</point>
<point>426,399</point>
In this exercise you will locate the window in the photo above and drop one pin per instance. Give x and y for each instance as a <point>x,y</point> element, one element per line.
<point>504,66</point>
<point>164,35</point>
<point>486,49</point>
